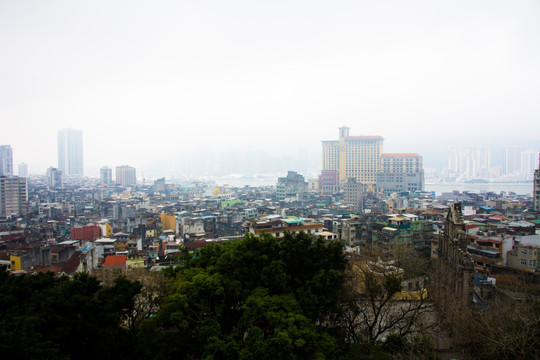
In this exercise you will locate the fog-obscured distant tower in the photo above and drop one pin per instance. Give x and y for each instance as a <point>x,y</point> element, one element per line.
<point>6,160</point>
<point>70,152</point>
<point>126,175</point>
<point>482,161</point>
<point>105,175</point>
<point>512,159</point>
<point>529,160</point>
<point>453,160</point>
<point>22,170</point>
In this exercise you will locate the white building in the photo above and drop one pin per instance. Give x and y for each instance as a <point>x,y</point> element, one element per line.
<point>126,175</point>
<point>512,160</point>
<point>529,162</point>
<point>6,160</point>
<point>22,170</point>
<point>70,152</point>
<point>13,196</point>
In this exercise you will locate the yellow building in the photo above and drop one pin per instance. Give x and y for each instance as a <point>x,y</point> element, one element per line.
<point>168,222</point>
<point>108,230</point>
<point>355,157</point>
<point>15,263</point>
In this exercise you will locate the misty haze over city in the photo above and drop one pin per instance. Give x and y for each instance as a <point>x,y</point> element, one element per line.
<point>270,179</point>
<point>214,88</point>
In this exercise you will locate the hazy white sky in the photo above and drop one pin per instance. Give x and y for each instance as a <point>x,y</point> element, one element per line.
<point>147,79</point>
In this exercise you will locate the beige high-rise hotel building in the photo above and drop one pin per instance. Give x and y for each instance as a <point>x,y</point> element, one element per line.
<point>356,157</point>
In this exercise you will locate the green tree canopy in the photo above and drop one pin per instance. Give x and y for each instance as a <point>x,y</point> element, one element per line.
<point>257,298</point>
<point>48,317</point>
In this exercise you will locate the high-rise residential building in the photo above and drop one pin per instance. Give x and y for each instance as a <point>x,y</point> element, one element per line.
<point>512,160</point>
<point>126,175</point>
<point>13,196</point>
<point>482,161</point>
<point>70,152</point>
<point>6,160</point>
<point>466,163</point>
<point>54,177</point>
<point>159,185</point>
<point>536,191</point>
<point>22,170</point>
<point>355,157</point>
<point>352,194</point>
<point>402,172</point>
<point>105,175</point>
<point>529,160</point>
<point>454,160</point>
<point>472,162</point>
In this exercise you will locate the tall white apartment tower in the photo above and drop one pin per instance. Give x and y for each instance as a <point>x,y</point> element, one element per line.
<point>6,160</point>
<point>482,161</point>
<point>13,196</point>
<point>23,170</point>
<point>70,152</point>
<point>126,175</point>
<point>454,160</point>
<point>529,160</point>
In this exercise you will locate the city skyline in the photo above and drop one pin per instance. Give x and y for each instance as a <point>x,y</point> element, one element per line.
<point>476,163</point>
<point>159,84</point>
<point>235,162</point>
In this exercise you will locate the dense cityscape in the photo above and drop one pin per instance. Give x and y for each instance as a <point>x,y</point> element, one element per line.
<point>483,245</point>
<point>265,180</point>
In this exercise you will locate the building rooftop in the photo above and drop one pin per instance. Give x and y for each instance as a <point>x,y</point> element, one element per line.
<point>400,154</point>
<point>73,263</point>
<point>491,252</point>
<point>115,260</point>
<point>105,241</point>
<point>375,137</point>
<point>293,221</point>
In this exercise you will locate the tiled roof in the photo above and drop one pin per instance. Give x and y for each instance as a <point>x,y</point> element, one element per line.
<point>55,269</point>
<point>73,263</point>
<point>21,247</point>
<point>115,260</point>
<point>196,244</point>
<point>498,218</point>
